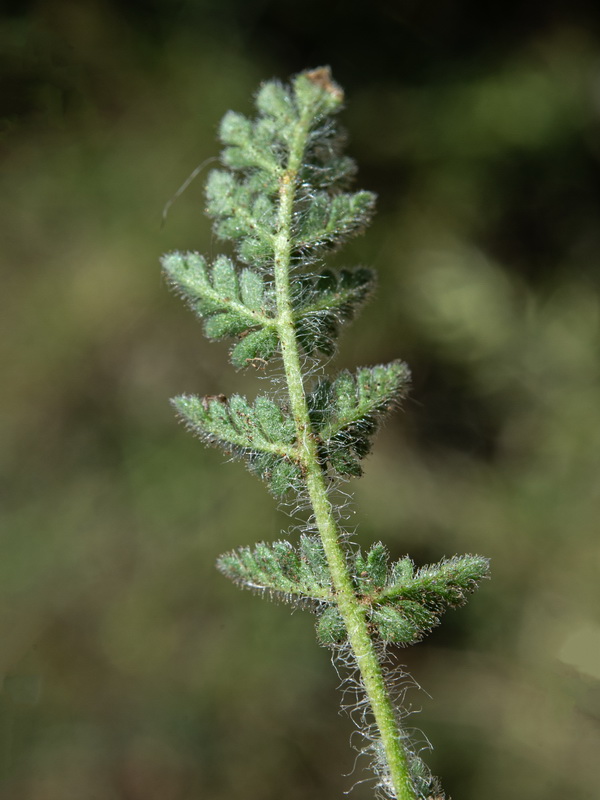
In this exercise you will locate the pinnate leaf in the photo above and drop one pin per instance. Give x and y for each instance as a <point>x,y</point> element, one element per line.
<point>231,303</point>
<point>263,433</point>
<point>406,604</point>
<point>250,145</point>
<point>325,301</point>
<point>443,585</point>
<point>346,412</point>
<point>244,212</point>
<point>328,221</point>
<point>293,574</point>
<point>402,604</point>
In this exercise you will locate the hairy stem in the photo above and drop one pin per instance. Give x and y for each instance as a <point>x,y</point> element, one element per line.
<point>351,610</point>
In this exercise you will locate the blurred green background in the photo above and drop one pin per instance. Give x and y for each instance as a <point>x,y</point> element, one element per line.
<point>131,669</point>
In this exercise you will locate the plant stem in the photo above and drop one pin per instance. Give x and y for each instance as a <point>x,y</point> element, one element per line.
<point>352,612</point>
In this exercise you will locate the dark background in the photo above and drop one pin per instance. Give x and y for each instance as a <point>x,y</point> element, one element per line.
<point>132,670</point>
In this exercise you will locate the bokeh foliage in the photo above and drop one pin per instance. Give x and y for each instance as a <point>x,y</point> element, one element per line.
<point>131,668</point>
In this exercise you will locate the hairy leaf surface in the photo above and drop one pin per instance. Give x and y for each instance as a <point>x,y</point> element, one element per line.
<point>289,573</point>
<point>347,411</point>
<point>263,433</point>
<point>405,603</point>
<point>324,302</point>
<point>231,303</point>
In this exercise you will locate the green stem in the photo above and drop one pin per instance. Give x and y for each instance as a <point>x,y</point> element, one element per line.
<point>353,613</point>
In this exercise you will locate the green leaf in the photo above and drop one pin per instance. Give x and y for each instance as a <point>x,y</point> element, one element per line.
<point>325,301</point>
<point>313,560</point>
<point>331,629</point>
<point>221,325</point>
<point>252,290</point>
<point>316,94</point>
<point>262,433</point>
<point>244,201</point>
<point>346,412</point>
<point>443,585</point>
<point>393,625</point>
<point>275,100</point>
<point>230,304</point>
<point>224,279</point>
<point>274,422</point>
<point>403,604</point>
<point>281,475</point>
<point>329,221</point>
<point>403,624</point>
<point>401,572</point>
<point>235,129</point>
<point>258,144</point>
<point>343,461</point>
<point>245,212</point>
<point>283,199</point>
<point>376,564</point>
<point>255,349</point>
<point>292,574</point>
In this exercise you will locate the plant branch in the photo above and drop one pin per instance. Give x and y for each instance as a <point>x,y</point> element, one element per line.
<point>280,202</point>
<point>352,612</point>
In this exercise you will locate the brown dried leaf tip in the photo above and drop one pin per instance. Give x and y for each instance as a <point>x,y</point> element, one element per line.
<point>322,77</point>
